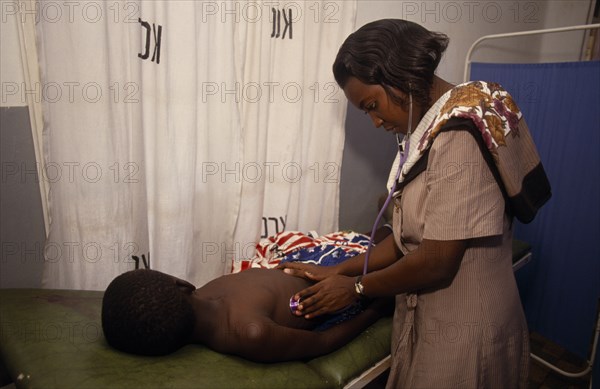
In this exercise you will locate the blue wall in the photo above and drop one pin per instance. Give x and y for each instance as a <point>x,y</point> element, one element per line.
<point>560,288</point>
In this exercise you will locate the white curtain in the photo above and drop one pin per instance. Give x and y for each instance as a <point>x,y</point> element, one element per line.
<point>185,130</point>
<point>294,133</point>
<point>93,147</point>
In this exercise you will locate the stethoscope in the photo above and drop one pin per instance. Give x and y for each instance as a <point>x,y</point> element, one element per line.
<point>403,150</point>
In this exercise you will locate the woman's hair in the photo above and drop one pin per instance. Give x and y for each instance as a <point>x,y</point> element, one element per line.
<point>392,53</point>
<point>144,312</point>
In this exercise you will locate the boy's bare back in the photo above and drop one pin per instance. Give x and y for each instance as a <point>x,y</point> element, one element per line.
<point>255,292</point>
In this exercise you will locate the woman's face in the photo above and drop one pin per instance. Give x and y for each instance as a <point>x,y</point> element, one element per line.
<point>375,102</point>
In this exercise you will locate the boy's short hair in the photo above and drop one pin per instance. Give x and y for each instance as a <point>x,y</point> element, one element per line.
<point>144,312</point>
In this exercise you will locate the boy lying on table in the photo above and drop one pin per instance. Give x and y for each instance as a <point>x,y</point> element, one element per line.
<point>246,314</point>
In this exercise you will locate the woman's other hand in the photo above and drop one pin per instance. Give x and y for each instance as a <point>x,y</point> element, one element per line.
<point>306,270</point>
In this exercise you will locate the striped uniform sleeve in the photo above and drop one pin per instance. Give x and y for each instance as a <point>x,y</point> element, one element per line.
<point>463,199</point>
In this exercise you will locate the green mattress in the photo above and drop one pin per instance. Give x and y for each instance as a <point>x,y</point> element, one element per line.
<point>53,339</point>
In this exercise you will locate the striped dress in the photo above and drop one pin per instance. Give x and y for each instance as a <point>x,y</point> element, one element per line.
<point>472,333</point>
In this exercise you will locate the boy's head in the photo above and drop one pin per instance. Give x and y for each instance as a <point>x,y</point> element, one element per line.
<point>147,312</point>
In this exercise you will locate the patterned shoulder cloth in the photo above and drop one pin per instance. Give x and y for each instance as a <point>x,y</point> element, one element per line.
<point>491,115</point>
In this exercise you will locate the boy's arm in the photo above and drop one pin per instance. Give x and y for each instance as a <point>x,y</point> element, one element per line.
<point>260,339</point>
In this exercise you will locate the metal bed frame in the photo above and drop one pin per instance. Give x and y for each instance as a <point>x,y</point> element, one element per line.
<point>516,34</point>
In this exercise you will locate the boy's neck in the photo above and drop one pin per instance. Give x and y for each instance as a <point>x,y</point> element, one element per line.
<point>205,313</point>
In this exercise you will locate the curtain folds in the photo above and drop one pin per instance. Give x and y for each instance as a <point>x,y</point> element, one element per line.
<point>186,130</point>
<point>293,122</point>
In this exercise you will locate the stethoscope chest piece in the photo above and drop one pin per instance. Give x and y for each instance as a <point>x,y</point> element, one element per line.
<point>294,304</point>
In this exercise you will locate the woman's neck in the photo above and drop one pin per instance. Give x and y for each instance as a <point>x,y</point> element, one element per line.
<point>438,88</point>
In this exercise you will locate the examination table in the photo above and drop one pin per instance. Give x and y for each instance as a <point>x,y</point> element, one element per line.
<point>53,339</point>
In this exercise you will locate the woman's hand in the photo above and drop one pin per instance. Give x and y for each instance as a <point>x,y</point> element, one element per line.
<point>328,295</point>
<point>307,270</point>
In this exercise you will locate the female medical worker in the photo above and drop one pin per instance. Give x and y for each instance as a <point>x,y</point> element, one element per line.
<point>458,320</point>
